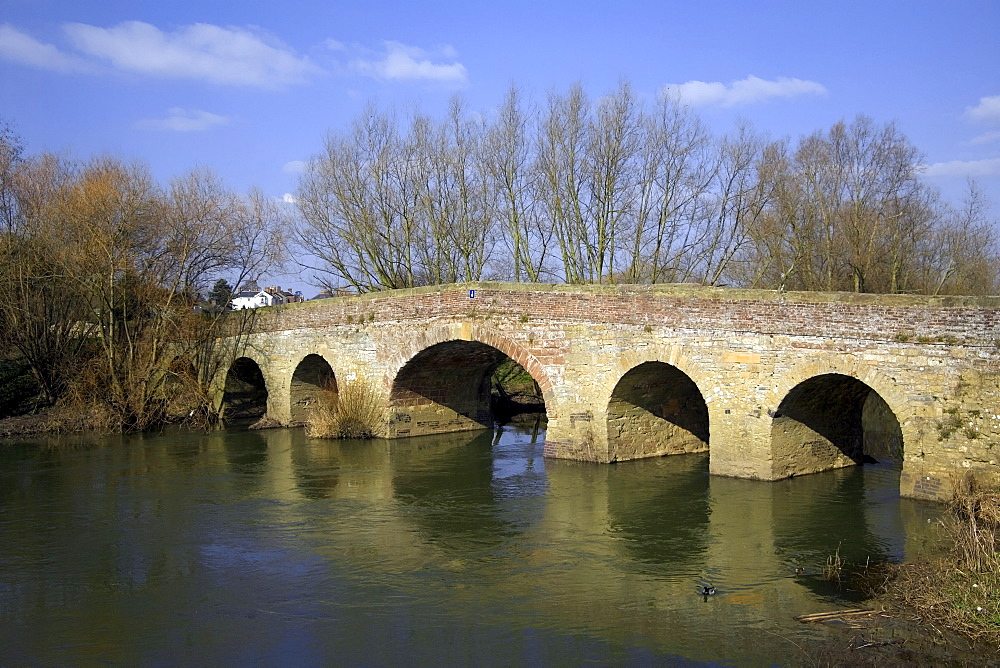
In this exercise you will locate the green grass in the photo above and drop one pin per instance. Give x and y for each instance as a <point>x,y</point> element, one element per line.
<point>514,379</point>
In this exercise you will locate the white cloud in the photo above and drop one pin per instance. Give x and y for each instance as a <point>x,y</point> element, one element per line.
<point>294,167</point>
<point>220,55</point>
<point>964,168</point>
<point>751,90</point>
<point>289,198</point>
<point>25,49</point>
<point>231,56</point>
<point>184,120</point>
<point>987,138</point>
<point>987,111</point>
<point>403,62</point>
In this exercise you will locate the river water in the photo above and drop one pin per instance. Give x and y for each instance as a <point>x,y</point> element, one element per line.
<point>270,548</point>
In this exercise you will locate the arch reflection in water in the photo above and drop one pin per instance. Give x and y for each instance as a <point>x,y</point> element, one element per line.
<point>662,513</point>
<point>246,452</point>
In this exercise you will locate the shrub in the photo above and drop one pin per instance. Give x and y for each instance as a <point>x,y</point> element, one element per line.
<point>960,590</point>
<point>973,524</point>
<point>356,411</point>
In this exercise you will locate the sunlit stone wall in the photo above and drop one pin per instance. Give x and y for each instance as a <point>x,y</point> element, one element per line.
<point>934,361</point>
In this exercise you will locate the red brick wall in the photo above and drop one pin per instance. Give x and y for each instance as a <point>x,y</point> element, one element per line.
<point>878,317</point>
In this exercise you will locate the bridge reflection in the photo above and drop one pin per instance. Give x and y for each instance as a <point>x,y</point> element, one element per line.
<point>480,527</point>
<point>638,536</point>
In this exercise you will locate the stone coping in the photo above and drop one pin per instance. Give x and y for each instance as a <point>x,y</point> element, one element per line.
<point>682,291</point>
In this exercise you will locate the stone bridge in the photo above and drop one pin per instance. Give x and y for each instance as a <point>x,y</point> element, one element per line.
<point>771,384</point>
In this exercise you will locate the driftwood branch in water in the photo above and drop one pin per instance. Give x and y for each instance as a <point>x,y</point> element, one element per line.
<point>824,616</point>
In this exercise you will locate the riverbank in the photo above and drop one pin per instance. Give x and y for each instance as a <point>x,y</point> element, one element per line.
<point>958,592</point>
<point>886,636</point>
<point>58,420</point>
<point>938,610</point>
<point>27,425</point>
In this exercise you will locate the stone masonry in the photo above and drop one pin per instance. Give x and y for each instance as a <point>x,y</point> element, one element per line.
<point>772,384</point>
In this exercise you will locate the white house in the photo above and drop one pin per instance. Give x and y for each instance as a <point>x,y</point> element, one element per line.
<point>250,299</point>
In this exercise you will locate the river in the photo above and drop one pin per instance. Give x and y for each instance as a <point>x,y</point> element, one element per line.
<point>269,548</point>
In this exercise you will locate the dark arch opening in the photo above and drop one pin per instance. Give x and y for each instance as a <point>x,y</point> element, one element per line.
<point>450,387</point>
<point>830,421</point>
<point>515,394</point>
<point>313,382</point>
<point>245,395</point>
<point>656,409</point>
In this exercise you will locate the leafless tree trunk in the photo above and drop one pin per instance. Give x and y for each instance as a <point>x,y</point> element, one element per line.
<point>675,175</point>
<point>513,179</point>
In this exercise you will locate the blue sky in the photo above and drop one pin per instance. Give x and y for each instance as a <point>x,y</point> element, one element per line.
<point>250,89</point>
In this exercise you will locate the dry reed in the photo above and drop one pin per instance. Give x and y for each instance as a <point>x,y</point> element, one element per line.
<point>834,567</point>
<point>959,591</point>
<point>973,526</point>
<point>355,411</point>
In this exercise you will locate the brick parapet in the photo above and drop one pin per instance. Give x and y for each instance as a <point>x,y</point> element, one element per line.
<point>903,318</point>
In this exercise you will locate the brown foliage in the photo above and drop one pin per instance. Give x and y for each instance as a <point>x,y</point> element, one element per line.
<point>103,269</point>
<point>356,411</point>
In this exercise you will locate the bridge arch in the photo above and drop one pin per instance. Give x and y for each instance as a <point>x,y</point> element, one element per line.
<point>835,413</point>
<point>312,381</point>
<point>440,382</point>
<point>654,405</point>
<point>245,391</point>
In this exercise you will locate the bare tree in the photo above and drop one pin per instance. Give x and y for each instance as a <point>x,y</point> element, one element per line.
<point>738,201</point>
<point>674,178</point>
<point>608,190</point>
<point>358,209</point>
<point>507,155</point>
<point>611,177</point>
<point>962,253</point>
<point>561,166</point>
<point>11,159</point>
<point>846,211</point>
<point>452,197</point>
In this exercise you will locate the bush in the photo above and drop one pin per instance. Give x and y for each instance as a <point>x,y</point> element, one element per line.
<point>356,411</point>
<point>19,393</point>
